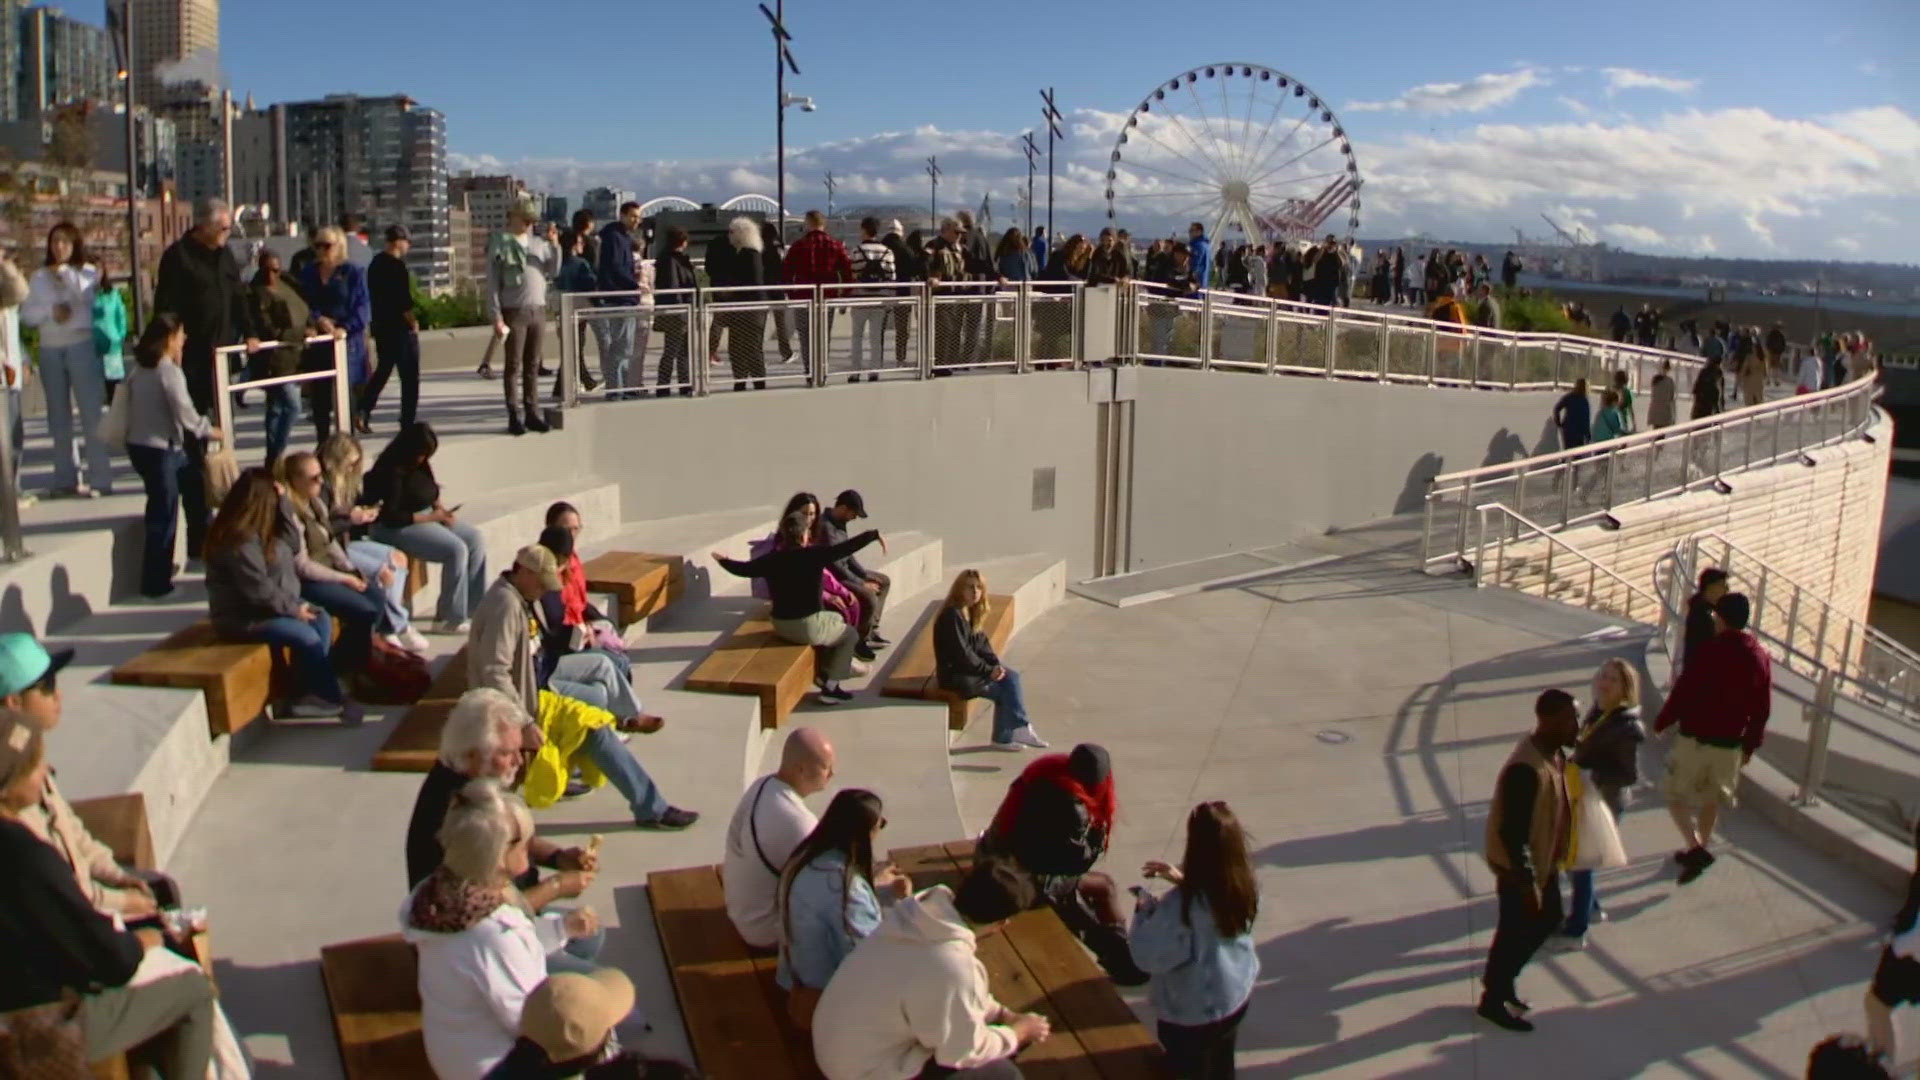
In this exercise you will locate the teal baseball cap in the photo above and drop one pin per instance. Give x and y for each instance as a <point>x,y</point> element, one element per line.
<point>24,662</point>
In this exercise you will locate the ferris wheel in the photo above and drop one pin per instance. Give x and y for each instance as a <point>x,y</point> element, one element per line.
<point>1235,147</point>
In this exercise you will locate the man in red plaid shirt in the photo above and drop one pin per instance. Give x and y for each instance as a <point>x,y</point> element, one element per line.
<point>815,259</point>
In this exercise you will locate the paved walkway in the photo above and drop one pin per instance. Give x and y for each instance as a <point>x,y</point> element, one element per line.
<point>1356,715</point>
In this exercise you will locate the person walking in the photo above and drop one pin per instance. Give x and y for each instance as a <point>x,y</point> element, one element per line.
<point>1620,387</point>
<point>396,329</point>
<point>737,262</point>
<point>1573,416</point>
<point>1529,825</point>
<point>872,266</point>
<point>336,295</point>
<point>13,365</point>
<point>280,314</point>
<point>946,261</point>
<point>1196,941</point>
<point>618,270</point>
<point>1896,980</point>
<point>1040,245</point>
<point>518,266</point>
<point>1608,755</point>
<point>1720,703</point>
<point>976,326</point>
<point>199,282</point>
<point>160,418</point>
<point>675,284</point>
<point>1200,254</point>
<point>60,305</point>
<point>814,259</point>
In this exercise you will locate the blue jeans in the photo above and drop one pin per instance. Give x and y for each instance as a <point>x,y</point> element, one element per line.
<point>159,469</point>
<point>1586,904</point>
<point>462,554</point>
<point>369,558</point>
<point>308,642</point>
<point>604,748</point>
<point>74,372</point>
<point>357,612</point>
<point>283,404</point>
<point>595,677</point>
<point>578,955</point>
<point>1009,706</point>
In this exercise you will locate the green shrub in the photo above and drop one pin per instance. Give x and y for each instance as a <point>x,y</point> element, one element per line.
<point>462,307</point>
<point>1538,313</point>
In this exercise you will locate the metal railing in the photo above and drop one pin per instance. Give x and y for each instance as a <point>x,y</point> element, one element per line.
<point>1806,635</point>
<point>920,330</point>
<point>224,387</point>
<point>1579,578</point>
<point>1572,487</point>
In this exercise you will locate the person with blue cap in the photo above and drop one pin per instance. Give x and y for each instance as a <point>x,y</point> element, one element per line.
<point>28,686</point>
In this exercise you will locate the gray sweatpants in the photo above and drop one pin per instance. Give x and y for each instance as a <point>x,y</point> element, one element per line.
<point>166,1024</point>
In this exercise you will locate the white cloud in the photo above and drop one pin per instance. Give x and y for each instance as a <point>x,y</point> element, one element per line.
<point>1872,68</point>
<point>1735,181</point>
<point>1846,244</point>
<point>1575,105</point>
<point>1477,94</point>
<point>1619,78</point>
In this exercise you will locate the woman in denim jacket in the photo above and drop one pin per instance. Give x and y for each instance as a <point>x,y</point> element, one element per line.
<point>1197,943</point>
<point>830,893</point>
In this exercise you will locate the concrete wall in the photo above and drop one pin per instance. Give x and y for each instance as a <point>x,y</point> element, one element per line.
<point>1228,462</point>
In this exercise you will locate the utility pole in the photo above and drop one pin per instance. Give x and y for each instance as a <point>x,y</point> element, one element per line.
<point>123,44</point>
<point>1052,115</point>
<point>1033,156</point>
<point>829,194</point>
<point>782,63</point>
<point>933,196</point>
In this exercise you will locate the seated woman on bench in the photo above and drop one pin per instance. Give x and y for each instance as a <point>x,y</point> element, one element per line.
<point>793,574</point>
<point>327,579</point>
<point>833,594</point>
<point>576,609</point>
<point>67,973</point>
<point>402,486</point>
<point>573,664</point>
<point>482,949</point>
<point>253,593</point>
<point>335,502</point>
<point>965,663</point>
<point>830,897</point>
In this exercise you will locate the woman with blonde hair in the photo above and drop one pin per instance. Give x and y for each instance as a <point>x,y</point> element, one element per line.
<point>375,569</point>
<point>336,294</point>
<point>482,949</point>
<point>1609,755</point>
<point>965,663</point>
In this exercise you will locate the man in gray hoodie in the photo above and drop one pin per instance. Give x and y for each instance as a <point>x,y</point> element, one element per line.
<point>518,266</point>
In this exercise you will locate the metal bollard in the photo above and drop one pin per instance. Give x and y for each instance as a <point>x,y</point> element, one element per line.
<point>1819,716</point>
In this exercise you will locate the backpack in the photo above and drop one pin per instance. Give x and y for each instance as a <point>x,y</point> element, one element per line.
<point>873,268</point>
<point>393,676</point>
<point>510,257</point>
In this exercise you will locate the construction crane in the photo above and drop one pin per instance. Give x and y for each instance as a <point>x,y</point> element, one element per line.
<point>1576,255</point>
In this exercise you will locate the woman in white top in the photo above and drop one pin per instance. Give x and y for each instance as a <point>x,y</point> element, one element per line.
<point>60,304</point>
<point>481,951</point>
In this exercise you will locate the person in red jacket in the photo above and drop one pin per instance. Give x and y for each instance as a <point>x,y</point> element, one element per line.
<point>1721,703</point>
<point>815,259</point>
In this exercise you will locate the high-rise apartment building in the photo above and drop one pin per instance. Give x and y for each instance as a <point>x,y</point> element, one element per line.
<point>606,203</point>
<point>175,42</point>
<point>10,58</point>
<point>57,60</point>
<point>384,159</point>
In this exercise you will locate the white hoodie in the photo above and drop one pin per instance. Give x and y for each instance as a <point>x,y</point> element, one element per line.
<point>913,990</point>
<point>63,284</point>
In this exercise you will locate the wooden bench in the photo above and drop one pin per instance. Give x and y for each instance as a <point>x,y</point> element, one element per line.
<point>754,660</point>
<point>237,678</point>
<point>735,1013</point>
<point>373,992</point>
<point>1034,964</point>
<point>913,675</point>
<point>414,743</point>
<point>642,584</point>
<point>418,579</point>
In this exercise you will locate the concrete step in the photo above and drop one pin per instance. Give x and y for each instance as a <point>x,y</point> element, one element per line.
<point>696,537</point>
<point>511,518</point>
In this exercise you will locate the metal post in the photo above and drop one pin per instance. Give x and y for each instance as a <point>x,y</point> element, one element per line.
<point>125,43</point>
<point>924,301</point>
<point>223,398</point>
<point>1023,329</point>
<point>1433,356</point>
<point>342,389</point>
<point>699,347</point>
<point>780,117</point>
<point>817,334</point>
<point>1333,345</point>
<point>1273,337</point>
<point>1466,511</point>
<point>1819,716</point>
<point>1385,346</point>
<point>15,544</point>
<point>569,361</point>
<point>1473,349</point>
<point>1206,330</point>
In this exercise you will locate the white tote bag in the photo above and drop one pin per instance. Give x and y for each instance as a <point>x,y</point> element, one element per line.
<point>112,431</point>
<point>1598,846</point>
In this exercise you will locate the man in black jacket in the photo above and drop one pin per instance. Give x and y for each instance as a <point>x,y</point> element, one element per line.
<point>1700,626</point>
<point>674,282</point>
<point>199,282</point>
<point>871,586</point>
<point>396,330</point>
<point>976,334</point>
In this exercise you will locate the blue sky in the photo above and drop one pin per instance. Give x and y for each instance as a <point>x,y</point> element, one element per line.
<point>1756,128</point>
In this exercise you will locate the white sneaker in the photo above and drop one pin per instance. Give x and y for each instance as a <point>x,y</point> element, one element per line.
<point>314,707</point>
<point>1026,737</point>
<point>859,668</point>
<point>446,627</point>
<point>1009,747</point>
<point>411,640</point>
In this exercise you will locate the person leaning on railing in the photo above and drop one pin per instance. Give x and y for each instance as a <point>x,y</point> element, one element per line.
<point>280,314</point>
<point>161,417</point>
<point>336,293</point>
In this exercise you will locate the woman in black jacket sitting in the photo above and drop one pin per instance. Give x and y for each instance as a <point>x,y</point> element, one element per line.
<point>401,483</point>
<point>792,573</point>
<point>1609,751</point>
<point>965,663</point>
<point>253,592</point>
<point>64,967</point>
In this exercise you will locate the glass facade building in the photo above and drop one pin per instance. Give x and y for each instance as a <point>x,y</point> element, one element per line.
<point>384,159</point>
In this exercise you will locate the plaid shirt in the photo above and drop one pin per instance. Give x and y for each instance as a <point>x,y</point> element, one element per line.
<point>817,259</point>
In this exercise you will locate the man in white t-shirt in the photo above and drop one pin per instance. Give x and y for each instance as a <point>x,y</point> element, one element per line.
<point>769,823</point>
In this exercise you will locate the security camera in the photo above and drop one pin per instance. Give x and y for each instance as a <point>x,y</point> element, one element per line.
<point>807,105</point>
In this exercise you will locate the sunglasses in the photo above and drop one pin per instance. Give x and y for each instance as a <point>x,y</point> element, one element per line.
<point>324,245</point>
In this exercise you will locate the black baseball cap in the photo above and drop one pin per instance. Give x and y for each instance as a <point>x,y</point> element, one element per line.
<point>851,500</point>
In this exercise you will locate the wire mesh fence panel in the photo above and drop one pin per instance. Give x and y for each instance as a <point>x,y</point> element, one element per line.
<point>1053,316</point>
<point>1171,329</point>
<point>1406,351</point>
<point>1453,355</point>
<point>1356,350</point>
<point>1239,336</point>
<point>1533,363</point>
<point>1301,345</point>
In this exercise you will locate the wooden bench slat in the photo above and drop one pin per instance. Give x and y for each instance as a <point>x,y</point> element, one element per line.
<point>414,743</point>
<point>1015,986</point>
<point>914,676</point>
<point>644,583</point>
<point>754,660</point>
<point>235,678</point>
<point>730,1023</point>
<point>373,991</point>
<point>1083,998</point>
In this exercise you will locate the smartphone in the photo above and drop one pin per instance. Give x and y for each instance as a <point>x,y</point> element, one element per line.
<point>1139,891</point>
<point>455,508</point>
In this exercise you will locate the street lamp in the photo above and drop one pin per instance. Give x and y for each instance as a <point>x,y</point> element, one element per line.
<point>782,63</point>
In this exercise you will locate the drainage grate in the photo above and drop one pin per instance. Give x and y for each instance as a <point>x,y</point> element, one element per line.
<point>1043,488</point>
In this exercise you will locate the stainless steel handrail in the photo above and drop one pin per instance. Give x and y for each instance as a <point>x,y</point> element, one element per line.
<point>224,388</point>
<point>1595,570</point>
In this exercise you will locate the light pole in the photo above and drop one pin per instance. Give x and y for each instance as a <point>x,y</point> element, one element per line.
<point>123,44</point>
<point>1033,155</point>
<point>1053,118</point>
<point>782,63</point>
<point>933,194</point>
<point>829,194</point>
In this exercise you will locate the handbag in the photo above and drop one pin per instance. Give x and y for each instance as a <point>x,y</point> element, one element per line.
<point>112,430</point>
<point>393,676</point>
<point>45,1042</point>
<point>222,471</point>
<point>1596,843</point>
